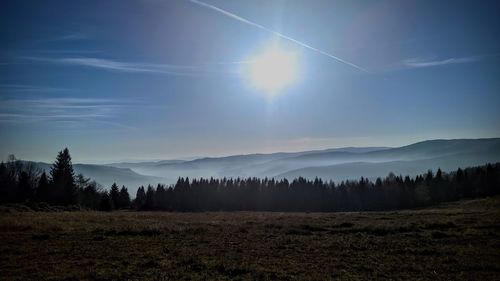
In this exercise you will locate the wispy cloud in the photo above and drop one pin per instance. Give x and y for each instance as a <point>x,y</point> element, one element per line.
<point>434,61</point>
<point>60,110</point>
<point>134,67</point>
<point>71,36</point>
<point>275,33</point>
<point>420,63</point>
<point>6,88</point>
<point>66,51</point>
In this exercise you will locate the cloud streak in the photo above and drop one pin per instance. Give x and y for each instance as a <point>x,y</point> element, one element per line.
<point>421,63</point>
<point>71,36</point>
<point>254,24</point>
<point>72,110</point>
<point>29,88</point>
<point>135,67</point>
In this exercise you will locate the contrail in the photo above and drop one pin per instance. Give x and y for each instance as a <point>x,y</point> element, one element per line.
<point>238,18</point>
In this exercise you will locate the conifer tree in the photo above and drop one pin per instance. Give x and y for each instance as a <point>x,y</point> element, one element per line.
<point>25,192</point>
<point>105,204</point>
<point>4,183</point>
<point>140,198</point>
<point>114,194</point>
<point>124,198</point>
<point>91,196</point>
<point>43,189</point>
<point>63,179</point>
<point>150,198</point>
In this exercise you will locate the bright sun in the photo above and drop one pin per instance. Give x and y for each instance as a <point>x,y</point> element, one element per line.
<point>273,69</point>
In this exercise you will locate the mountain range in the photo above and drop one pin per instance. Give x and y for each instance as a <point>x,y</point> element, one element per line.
<point>336,164</point>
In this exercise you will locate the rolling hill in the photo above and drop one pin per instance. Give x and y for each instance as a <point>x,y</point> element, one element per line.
<point>336,164</point>
<point>340,163</point>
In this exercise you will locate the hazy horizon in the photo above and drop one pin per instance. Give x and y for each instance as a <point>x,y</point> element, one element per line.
<point>190,158</point>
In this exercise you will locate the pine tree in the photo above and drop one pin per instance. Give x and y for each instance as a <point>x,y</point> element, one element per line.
<point>43,189</point>
<point>140,198</point>
<point>161,197</point>
<point>91,197</point>
<point>3,183</point>
<point>114,193</point>
<point>63,179</point>
<point>436,187</point>
<point>9,173</point>
<point>105,204</point>
<point>150,198</point>
<point>25,192</point>
<point>124,198</point>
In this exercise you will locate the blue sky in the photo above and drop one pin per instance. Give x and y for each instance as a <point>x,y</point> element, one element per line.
<point>151,79</point>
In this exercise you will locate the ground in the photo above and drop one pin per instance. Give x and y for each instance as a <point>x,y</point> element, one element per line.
<point>458,240</point>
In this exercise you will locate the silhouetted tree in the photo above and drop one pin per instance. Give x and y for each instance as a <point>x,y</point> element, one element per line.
<point>43,189</point>
<point>492,178</point>
<point>106,204</point>
<point>7,183</point>
<point>150,198</point>
<point>114,193</point>
<point>24,189</point>
<point>3,183</point>
<point>18,180</point>
<point>63,180</point>
<point>123,198</point>
<point>140,198</point>
<point>161,199</point>
<point>91,196</point>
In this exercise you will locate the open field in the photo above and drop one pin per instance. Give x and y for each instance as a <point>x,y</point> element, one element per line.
<point>453,241</point>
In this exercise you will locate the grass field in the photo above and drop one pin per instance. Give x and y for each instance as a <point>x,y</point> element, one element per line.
<point>453,241</point>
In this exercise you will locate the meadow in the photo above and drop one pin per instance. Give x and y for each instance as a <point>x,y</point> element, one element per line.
<point>459,240</point>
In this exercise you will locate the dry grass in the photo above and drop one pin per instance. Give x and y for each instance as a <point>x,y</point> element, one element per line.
<point>455,241</point>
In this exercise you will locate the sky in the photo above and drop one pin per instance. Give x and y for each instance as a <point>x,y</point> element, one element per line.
<point>166,79</point>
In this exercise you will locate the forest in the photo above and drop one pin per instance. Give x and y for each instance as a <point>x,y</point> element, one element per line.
<point>22,182</point>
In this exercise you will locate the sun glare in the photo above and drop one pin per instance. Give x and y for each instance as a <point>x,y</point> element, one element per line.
<point>272,70</point>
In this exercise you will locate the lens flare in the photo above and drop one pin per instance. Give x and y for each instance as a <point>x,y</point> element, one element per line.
<point>272,70</point>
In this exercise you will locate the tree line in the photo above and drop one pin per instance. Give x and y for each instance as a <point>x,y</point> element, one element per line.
<point>23,182</point>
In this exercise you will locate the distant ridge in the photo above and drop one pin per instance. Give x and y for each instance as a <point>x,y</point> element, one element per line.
<point>431,153</point>
<point>336,163</point>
